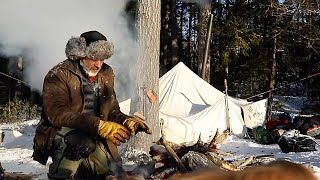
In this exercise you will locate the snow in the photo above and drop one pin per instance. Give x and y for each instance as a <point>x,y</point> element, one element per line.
<point>16,151</point>
<point>241,148</point>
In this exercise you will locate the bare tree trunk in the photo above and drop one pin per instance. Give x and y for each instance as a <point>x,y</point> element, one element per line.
<point>309,82</point>
<point>174,32</point>
<point>205,70</point>
<point>272,80</point>
<point>195,39</point>
<point>148,31</point>
<point>181,41</point>
<point>205,12</point>
<point>190,42</point>
<point>165,18</point>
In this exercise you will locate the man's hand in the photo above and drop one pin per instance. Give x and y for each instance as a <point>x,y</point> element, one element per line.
<point>114,132</point>
<point>136,125</point>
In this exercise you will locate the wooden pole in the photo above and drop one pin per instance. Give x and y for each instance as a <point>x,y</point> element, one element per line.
<point>272,81</point>
<point>204,64</point>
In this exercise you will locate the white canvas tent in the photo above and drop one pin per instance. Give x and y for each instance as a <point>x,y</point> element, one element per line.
<point>190,107</point>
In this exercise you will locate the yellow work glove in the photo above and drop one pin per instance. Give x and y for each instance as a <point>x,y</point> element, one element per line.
<point>136,125</point>
<point>114,132</point>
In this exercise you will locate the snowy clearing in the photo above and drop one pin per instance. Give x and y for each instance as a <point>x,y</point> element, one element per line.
<point>16,151</point>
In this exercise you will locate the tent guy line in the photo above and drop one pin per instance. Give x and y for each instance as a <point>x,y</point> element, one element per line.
<point>311,76</point>
<point>15,79</point>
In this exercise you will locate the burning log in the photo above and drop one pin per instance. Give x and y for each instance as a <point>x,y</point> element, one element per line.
<point>196,160</point>
<point>163,142</point>
<point>177,160</point>
<point>220,162</point>
<point>246,162</point>
<point>187,158</point>
<point>164,173</point>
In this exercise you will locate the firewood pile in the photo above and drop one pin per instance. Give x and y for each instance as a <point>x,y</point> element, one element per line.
<point>170,160</point>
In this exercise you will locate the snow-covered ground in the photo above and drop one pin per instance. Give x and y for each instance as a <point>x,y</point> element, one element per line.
<point>16,151</point>
<point>241,148</point>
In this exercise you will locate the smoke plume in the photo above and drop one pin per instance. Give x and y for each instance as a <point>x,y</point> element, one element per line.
<point>39,30</point>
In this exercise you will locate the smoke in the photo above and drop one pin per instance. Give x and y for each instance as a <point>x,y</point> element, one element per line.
<point>39,30</point>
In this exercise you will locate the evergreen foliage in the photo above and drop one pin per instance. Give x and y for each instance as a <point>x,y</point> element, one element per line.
<point>18,110</point>
<point>242,42</point>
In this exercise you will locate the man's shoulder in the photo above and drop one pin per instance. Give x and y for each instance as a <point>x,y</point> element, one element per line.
<point>61,67</point>
<point>106,70</point>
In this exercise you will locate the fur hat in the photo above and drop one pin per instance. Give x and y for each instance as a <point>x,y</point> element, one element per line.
<point>91,44</point>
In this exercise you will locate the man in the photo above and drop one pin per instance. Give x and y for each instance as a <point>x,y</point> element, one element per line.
<point>81,114</point>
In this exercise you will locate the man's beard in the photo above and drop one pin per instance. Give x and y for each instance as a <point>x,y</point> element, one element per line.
<point>88,71</point>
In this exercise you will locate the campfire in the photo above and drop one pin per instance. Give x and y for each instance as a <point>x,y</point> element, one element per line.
<point>169,160</point>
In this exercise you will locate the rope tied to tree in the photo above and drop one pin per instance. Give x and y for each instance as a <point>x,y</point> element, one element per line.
<point>311,76</point>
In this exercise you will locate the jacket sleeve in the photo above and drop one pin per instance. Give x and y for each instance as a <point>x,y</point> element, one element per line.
<point>56,104</point>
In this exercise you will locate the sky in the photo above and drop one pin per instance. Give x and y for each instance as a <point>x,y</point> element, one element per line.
<point>39,30</point>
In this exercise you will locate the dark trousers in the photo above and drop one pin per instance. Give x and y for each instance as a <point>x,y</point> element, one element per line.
<point>73,148</point>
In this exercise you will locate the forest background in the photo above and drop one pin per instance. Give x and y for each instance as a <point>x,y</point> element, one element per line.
<point>254,49</point>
